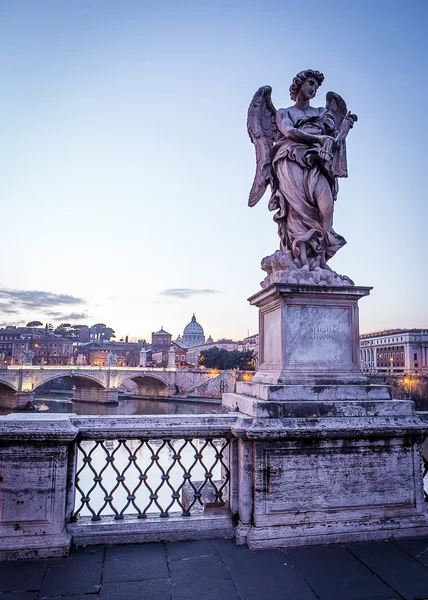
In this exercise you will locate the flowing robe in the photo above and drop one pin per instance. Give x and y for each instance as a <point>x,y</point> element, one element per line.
<point>297,167</point>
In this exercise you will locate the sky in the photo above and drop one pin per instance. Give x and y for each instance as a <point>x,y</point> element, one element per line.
<point>125,164</point>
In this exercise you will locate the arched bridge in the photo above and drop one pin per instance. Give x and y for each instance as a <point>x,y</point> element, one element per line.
<point>100,384</point>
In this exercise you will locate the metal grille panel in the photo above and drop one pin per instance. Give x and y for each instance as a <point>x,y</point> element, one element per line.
<point>425,475</point>
<point>145,477</point>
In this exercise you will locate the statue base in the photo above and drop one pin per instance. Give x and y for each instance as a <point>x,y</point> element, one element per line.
<point>309,335</point>
<point>322,456</point>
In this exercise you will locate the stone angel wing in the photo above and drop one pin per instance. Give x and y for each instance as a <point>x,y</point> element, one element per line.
<point>344,121</point>
<point>263,132</point>
<point>336,106</point>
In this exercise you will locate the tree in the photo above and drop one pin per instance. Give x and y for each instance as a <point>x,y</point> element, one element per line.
<point>101,332</point>
<point>34,324</point>
<point>220,358</point>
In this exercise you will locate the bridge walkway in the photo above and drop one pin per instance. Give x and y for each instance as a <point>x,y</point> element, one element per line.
<point>220,570</point>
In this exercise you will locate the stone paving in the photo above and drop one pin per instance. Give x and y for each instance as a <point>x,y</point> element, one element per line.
<point>220,570</point>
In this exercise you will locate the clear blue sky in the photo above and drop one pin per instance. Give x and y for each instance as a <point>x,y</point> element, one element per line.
<point>125,163</point>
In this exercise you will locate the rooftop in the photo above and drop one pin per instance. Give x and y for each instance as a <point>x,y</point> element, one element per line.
<point>392,332</point>
<point>220,570</point>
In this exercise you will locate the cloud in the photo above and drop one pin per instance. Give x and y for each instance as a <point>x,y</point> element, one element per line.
<point>64,317</point>
<point>14,302</point>
<point>8,309</point>
<point>31,299</point>
<point>183,293</point>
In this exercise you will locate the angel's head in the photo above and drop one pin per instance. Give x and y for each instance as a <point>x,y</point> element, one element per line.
<point>314,77</point>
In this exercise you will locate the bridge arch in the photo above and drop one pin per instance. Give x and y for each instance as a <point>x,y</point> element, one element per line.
<point>148,385</point>
<point>80,380</point>
<point>143,379</point>
<point>7,386</point>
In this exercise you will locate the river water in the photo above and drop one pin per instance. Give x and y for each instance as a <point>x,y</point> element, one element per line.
<point>63,403</point>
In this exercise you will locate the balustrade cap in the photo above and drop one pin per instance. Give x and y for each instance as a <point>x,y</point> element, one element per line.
<point>155,426</point>
<point>41,428</point>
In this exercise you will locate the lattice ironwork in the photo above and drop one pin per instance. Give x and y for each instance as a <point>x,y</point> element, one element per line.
<point>146,477</point>
<point>425,475</point>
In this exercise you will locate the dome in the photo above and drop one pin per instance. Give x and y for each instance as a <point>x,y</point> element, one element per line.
<point>193,334</point>
<point>193,328</point>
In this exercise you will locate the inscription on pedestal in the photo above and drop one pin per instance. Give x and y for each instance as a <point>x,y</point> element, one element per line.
<point>318,334</point>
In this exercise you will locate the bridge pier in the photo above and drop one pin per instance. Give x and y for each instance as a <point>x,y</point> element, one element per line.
<point>93,394</point>
<point>14,400</point>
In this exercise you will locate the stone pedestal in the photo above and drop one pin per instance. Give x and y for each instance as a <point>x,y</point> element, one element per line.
<point>309,334</point>
<point>33,484</point>
<point>324,456</point>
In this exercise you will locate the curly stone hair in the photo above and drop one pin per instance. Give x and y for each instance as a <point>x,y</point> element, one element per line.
<point>300,78</point>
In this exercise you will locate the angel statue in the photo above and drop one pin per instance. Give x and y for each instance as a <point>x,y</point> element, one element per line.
<point>301,153</point>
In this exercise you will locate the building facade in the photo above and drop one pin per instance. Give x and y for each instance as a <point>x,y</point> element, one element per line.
<point>160,357</point>
<point>395,351</point>
<point>250,344</point>
<point>127,354</point>
<point>160,339</point>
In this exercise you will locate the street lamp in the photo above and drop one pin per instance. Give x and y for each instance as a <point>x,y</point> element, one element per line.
<point>408,381</point>
<point>391,360</point>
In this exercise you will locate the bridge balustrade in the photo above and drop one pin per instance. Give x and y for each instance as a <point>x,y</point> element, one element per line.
<point>118,479</point>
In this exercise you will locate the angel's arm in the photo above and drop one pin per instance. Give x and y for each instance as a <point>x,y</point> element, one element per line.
<point>286,127</point>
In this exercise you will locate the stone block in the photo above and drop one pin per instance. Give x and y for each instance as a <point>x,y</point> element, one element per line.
<point>33,475</point>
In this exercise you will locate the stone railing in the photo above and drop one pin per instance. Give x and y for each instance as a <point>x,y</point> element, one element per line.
<point>113,479</point>
<point>96,480</point>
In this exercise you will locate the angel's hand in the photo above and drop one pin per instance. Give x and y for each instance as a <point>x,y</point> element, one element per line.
<point>326,150</point>
<point>324,139</point>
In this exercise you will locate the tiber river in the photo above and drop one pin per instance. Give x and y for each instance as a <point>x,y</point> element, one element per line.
<point>62,403</point>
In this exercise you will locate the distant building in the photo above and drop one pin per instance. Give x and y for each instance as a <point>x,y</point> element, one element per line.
<point>97,353</point>
<point>160,339</point>
<point>160,358</point>
<point>250,343</point>
<point>193,334</point>
<point>395,351</point>
<point>8,336</point>
<point>82,332</point>
<point>48,349</point>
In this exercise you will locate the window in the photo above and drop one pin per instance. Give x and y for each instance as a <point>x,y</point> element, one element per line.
<point>415,356</point>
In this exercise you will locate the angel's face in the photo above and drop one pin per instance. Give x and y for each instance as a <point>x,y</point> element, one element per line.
<point>309,87</point>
